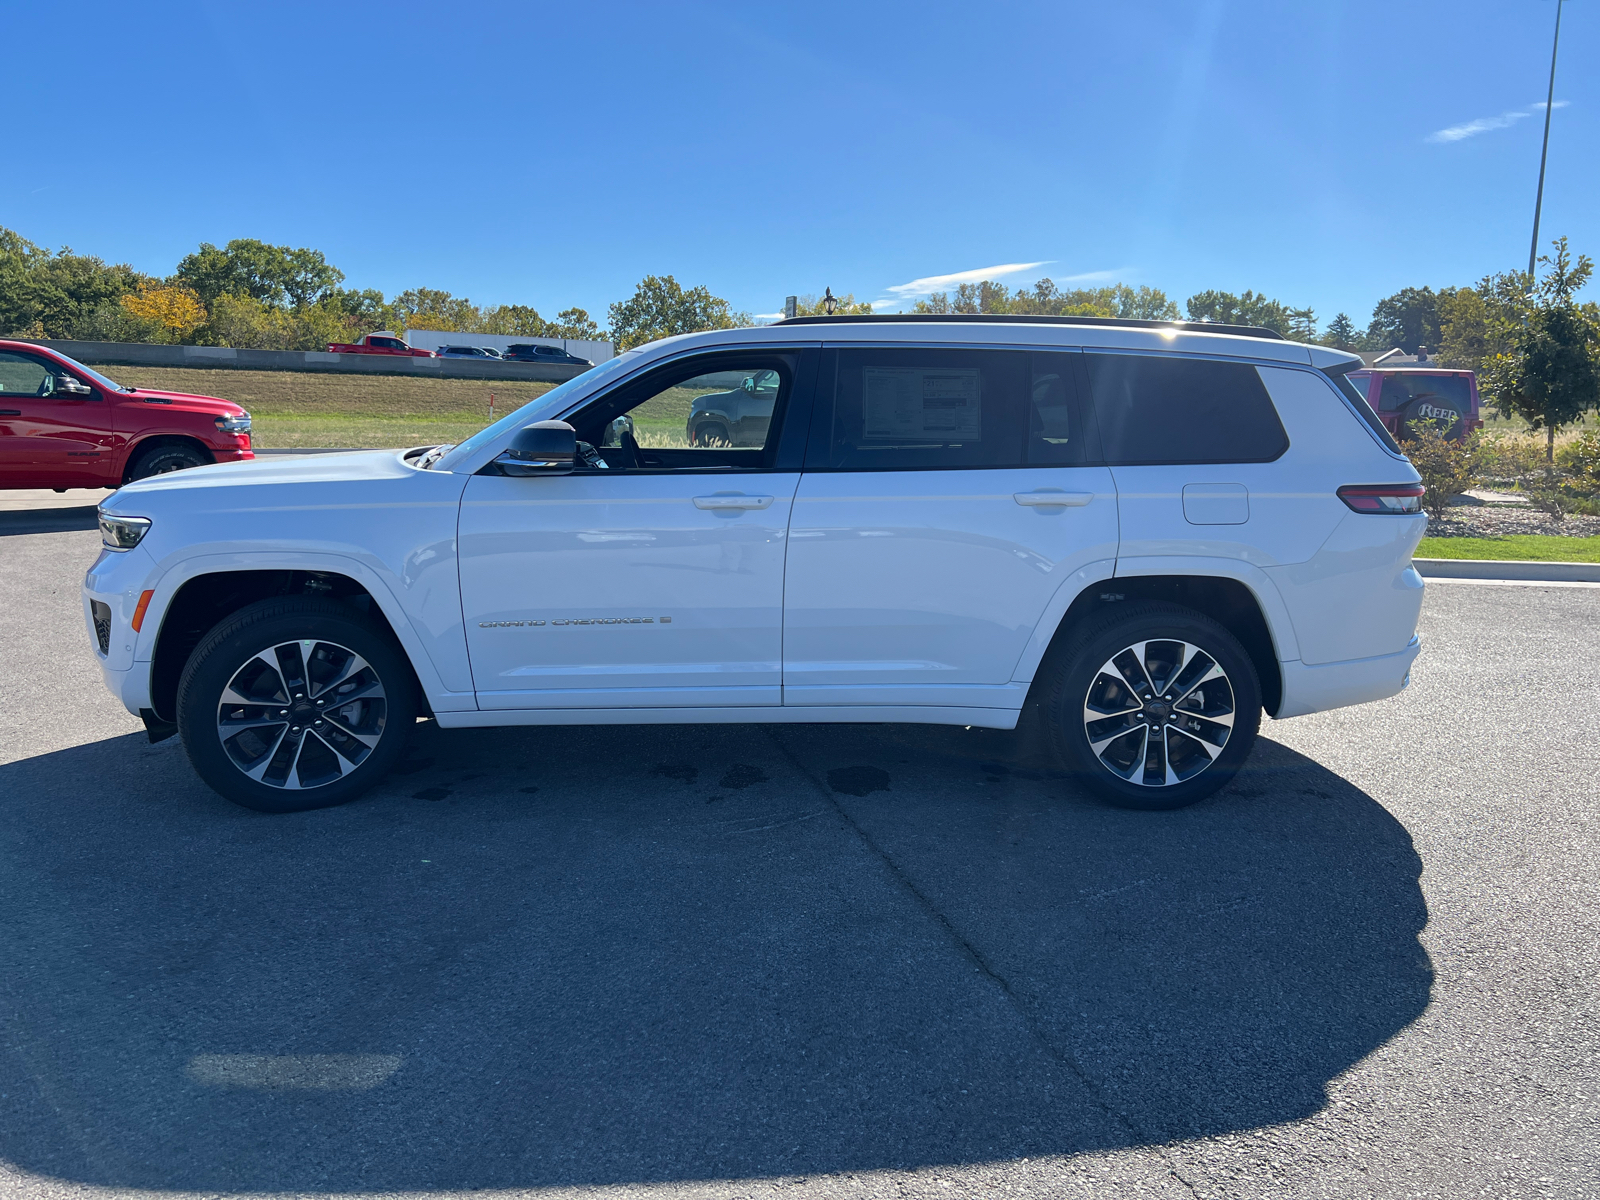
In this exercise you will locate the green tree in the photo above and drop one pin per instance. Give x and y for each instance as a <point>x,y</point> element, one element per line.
<point>660,307</point>
<point>431,308</point>
<point>1044,298</point>
<point>45,294</point>
<point>1549,372</point>
<point>810,305</point>
<point>576,323</point>
<point>1341,333</point>
<point>1248,308</point>
<point>1408,319</point>
<point>278,276</point>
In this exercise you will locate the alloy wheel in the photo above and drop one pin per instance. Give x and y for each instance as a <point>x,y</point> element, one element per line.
<point>1159,712</point>
<point>301,714</point>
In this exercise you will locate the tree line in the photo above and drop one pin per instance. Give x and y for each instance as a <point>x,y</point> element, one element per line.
<point>1536,348</point>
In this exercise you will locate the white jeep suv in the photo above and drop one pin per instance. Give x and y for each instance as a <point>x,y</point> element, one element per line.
<point>1141,534</point>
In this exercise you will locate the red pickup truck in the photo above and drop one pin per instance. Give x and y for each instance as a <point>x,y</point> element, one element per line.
<point>64,425</point>
<point>383,342</point>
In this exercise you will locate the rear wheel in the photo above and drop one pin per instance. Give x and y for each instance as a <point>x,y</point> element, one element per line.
<point>712,435</point>
<point>294,704</point>
<point>1154,706</point>
<point>162,459</point>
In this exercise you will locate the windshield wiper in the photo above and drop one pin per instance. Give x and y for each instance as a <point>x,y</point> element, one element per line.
<point>432,456</point>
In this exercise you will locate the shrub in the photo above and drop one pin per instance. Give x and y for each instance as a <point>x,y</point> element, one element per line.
<point>1448,467</point>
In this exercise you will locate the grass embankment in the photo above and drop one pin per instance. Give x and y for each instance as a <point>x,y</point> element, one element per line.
<point>303,409</point>
<point>1523,547</point>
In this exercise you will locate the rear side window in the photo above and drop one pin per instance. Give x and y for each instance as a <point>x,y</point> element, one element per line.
<point>1155,409</point>
<point>1355,391</point>
<point>905,409</point>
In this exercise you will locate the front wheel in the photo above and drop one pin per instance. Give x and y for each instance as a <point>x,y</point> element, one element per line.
<point>295,703</point>
<point>1154,706</point>
<point>164,459</point>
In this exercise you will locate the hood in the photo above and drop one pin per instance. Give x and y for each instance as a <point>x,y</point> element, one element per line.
<point>193,485</point>
<point>207,404</point>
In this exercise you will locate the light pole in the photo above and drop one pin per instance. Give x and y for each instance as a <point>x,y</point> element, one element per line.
<point>1549,103</point>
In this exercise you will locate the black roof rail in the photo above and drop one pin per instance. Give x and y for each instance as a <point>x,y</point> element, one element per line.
<point>1255,331</point>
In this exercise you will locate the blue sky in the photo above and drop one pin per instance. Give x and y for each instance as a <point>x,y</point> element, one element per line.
<point>1326,154</point>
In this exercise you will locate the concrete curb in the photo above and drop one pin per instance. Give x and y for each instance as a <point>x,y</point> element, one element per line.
<point>1492,568</point>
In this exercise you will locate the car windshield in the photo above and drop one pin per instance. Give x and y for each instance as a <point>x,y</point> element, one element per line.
<point>595,377</point>
<point>110,384</point>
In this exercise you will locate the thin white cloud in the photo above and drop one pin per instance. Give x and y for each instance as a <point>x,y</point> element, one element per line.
<point>930,284</point>
<point>777,316</point>
<point>1456,133</point>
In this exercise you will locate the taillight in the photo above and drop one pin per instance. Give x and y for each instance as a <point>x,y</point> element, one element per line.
<point>1400,499</point>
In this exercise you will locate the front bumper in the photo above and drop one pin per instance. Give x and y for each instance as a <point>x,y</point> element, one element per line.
<point>233,455</point>
<point>116,580</point>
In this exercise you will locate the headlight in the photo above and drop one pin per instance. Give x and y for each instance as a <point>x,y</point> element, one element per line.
<point>239,424</point>
<point>122,533</point>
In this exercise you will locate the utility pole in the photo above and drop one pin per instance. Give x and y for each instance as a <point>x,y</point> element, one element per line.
<point>1549,104</point>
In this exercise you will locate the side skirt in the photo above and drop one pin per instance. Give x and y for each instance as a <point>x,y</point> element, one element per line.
<point>912,714</point>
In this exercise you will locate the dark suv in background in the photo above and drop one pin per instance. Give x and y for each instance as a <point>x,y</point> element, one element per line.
<point>545,354</point>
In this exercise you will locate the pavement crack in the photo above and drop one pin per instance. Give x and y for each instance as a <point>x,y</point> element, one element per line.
<point>975,956</point>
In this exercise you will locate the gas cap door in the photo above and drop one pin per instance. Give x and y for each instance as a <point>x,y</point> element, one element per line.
<point>1216,503</point>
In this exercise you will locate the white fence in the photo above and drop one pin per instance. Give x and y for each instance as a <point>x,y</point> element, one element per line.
<point>432,339</point>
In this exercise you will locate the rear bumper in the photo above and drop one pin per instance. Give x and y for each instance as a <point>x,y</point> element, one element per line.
<point>1309,689</point>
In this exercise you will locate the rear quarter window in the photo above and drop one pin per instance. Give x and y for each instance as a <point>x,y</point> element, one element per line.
<point>1157,409</point>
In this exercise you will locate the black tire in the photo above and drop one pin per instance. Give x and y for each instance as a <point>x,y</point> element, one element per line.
<point>370,722</point>
<point>162,459</point>
<point>712,435</point>
<point>1177,769</point>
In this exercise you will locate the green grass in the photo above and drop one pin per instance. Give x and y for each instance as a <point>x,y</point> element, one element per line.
<point>1522,547</point>
<point>303,409</point>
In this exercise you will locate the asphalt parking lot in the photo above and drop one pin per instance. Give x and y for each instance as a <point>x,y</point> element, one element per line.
<point>862,961</point>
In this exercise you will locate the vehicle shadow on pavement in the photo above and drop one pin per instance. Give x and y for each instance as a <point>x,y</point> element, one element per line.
<point>48,520</point>
<point>627,954</point>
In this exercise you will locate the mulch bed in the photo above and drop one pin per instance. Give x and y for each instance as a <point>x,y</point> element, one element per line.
<point>1468,520</point>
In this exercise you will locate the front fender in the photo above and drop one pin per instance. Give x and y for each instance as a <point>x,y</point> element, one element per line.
<point>437,650</point>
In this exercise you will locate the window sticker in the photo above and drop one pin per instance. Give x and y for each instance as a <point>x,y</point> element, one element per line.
<point>921,405</point>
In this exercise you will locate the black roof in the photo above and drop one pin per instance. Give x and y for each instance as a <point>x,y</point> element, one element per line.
<point>1255,331</point>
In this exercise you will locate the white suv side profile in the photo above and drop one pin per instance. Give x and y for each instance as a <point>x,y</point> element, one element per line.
<point>1144,533</point>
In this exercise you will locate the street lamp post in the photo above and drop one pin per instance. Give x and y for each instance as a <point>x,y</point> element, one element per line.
<point>1549,103</point>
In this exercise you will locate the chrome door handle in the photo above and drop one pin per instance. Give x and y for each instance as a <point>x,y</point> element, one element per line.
<point>733,502</point>
<point>1053,499</point>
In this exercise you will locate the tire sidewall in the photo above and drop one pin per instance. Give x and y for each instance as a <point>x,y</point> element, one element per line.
<point>145,462</point>
<point>1106,637</point>
<point>226,648</point>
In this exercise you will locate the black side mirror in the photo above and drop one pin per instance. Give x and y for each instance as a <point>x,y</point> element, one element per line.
<point>67,385</point>
<point>543,448</point>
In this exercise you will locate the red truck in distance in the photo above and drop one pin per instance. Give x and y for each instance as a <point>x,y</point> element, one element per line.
<point>385,341</point>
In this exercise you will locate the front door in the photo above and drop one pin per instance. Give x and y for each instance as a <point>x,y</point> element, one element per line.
<point>943,506</point>
<point>49,437</point>
<point>651,577</point>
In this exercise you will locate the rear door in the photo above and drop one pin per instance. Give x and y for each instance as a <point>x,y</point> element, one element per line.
<point>48,437</point>
<point>948,495</point>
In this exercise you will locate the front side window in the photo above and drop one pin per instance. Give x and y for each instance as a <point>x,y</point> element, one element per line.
<point>689,417</point>
<point>24,375</point>
<point>905,409</point>
<point>1155,409</point>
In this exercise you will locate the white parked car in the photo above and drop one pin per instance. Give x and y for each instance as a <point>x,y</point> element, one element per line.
<point>1145,533</point>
